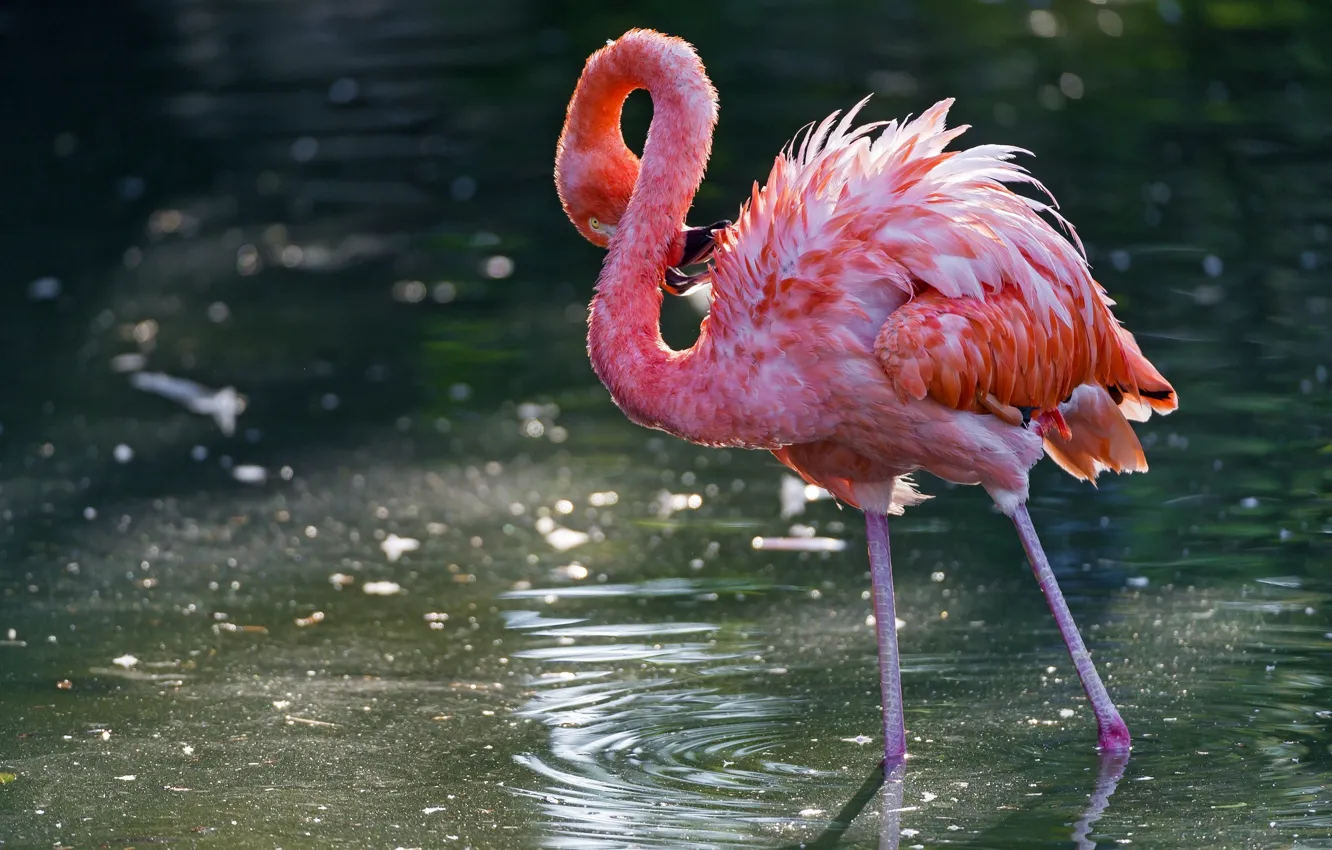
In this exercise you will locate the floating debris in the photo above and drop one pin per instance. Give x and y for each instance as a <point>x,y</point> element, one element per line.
<point>218,628</point>
<point>341,580</point>
<point>563,539</point>
<point>668,503</point>
<point>223,405</point>
<point>131,361</point>
<point>394,546</point>
<point>248,473</point>
<point>800,544</point>
<point>436,619</point>
<point>381,588</point>
<point>126,661</point>
<point>293,719</point>
<point>575,571</point>
<point>314,619</point>
<point>795,494</point>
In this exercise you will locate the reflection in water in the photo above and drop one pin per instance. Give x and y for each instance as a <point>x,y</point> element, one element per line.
<point>842,821</point>
<point>890,832</point>
<point>1108,774</point>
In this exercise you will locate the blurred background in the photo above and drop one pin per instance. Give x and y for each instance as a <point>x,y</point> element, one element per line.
<point>316,526</point>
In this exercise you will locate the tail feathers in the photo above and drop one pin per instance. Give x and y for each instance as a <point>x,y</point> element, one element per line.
<point>1099,436</point>
<point>1143,390</point>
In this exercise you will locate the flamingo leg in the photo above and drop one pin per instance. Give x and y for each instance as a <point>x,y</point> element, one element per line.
<point>1113,733</point>
<point>885,624</point>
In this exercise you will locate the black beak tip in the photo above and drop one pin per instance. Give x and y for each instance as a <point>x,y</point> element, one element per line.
<point>699,242</point>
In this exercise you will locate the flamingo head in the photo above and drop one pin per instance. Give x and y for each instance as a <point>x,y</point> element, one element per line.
<point>595,183</point>
<point>595,174</point>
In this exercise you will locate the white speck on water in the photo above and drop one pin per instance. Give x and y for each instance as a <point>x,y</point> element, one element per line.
<point>928,796</point>
<point>222,405</point>
<point>1066,713</point>
<point>810,813</point>
<point>126,661</point>
<point>430,810</point>
<point>799,544</point>
<point>90,513</point>
<point>122,453</point>
<point>129,777</point>
<point>1249,503</point>
<point>574,571</point>
<point>1137,581</point>
<point>248,473</point>
<point>381,588</point>
<point>498,267</point>
<point>563,539</point>
<point>862,740</point>
<point>130,361</point>
<point>394,546</point>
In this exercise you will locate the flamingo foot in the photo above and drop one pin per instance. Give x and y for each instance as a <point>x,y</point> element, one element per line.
<point>1113,734</point>
<point>885,625</point>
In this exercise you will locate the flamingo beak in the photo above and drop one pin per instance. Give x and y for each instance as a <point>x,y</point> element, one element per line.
<point>698,244</point>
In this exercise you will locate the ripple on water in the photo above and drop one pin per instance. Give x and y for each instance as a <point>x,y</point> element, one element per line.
<point>645,589</point>
<point>687,758</point>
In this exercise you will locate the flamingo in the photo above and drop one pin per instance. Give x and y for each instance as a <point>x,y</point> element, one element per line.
<point>880,306</point>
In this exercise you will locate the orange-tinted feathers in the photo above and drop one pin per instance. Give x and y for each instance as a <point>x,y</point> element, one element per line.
<point>997,355</point>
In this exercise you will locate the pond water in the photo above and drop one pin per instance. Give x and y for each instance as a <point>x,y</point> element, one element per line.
<point>414,582</point>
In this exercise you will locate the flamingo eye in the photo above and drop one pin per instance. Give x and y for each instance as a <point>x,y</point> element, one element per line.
<point>594,223</point>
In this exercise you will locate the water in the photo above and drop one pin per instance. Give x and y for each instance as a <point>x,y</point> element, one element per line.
<point>343,212</point>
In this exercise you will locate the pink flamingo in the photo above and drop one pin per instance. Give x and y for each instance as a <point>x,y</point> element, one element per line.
<point>880,306</point>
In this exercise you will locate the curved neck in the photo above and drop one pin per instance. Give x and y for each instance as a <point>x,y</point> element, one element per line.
<point>652,384</point>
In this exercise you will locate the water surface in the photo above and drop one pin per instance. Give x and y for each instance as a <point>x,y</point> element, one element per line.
<point>429,589</point>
